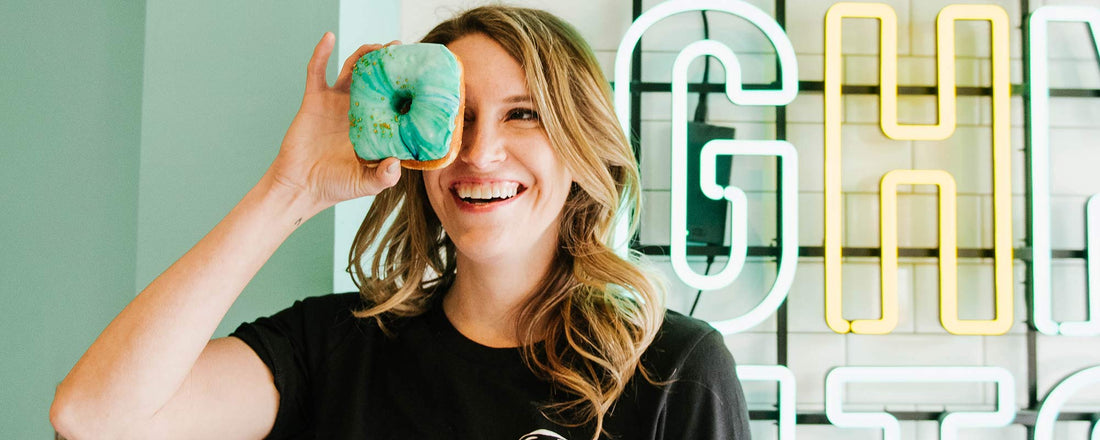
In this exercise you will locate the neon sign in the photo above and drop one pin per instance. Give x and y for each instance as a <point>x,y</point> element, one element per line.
<point>950,424</point>
<point>946,112</point>
<point>944,127</point>
<point>1057,397</point>
<point>787,392</point>
<point>735,196</point>
<point>1039,91</point>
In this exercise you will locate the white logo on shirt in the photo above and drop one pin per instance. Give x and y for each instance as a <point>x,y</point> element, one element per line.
<point>542,434</point>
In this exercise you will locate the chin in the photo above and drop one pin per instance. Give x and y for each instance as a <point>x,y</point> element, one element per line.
<point>485,246</point>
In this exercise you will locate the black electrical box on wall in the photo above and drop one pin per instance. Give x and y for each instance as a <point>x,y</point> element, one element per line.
<point>706,218</point>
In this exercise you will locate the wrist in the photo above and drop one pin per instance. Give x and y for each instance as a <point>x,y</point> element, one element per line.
<point>289,201</point>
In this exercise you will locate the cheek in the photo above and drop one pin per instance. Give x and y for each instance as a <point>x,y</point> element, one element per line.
<point>431,186</point>
<point>565,183</point>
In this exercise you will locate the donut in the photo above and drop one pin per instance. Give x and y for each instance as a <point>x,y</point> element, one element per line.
<point>407,102</point>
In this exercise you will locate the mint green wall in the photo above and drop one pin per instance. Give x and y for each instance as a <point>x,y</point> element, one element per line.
<point>70,88</point>
<point>128,128</point>
<point>222,82</point>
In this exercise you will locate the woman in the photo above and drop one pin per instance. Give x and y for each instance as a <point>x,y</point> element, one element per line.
<point>501,318</point>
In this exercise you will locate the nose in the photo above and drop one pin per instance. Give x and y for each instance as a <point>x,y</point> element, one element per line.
<point>482,144</point>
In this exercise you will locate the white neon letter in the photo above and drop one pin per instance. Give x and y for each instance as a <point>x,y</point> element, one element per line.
<point>738,95</point>
<point>1057,397</point>
<point>787,394</point>
<point>837,378</point>
<point>1039,91</point>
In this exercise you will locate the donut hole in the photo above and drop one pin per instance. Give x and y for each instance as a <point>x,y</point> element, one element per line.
<point>402,103</point>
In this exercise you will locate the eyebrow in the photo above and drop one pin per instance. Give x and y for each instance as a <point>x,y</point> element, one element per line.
<point>514,99</point>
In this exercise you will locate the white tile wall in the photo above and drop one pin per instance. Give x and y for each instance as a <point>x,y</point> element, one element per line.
<point>862,297</point>
<point>753,349</point>
<point>743,295</point>
<point>657,106</point>
<point>922,350</point>
<point>868,154</point>
<point>930,431</point>
<point>811,67</point>
<point>1074,112</point>
<point>971,37</point>
<point>828,432</point>
<point>967,155</point>
<point>811,356</point>
<point>861,219</point>
<point>1073,165</point>
<point>1073,73</point>
<point>806,138</point>
<point>1009,352</point>
<point>1061,356</point>
<point>806,28</point>
<point>1069,212</point>
<point>807,293</point>
<point>1067,291</point>
<point>919,338</point>
<point>811,211</point>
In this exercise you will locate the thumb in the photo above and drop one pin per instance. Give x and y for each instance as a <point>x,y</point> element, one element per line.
<point>383,176</point>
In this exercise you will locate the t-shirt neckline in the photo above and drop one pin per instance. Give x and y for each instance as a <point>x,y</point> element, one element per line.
<point>454,340</point>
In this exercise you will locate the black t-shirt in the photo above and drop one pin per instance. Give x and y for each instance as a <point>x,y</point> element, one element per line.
<point>340,377</point>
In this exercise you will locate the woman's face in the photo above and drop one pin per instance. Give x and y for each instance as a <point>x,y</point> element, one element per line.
<point>502,197</point>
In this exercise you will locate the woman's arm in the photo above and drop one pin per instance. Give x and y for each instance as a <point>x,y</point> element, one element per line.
<point>154,370</point>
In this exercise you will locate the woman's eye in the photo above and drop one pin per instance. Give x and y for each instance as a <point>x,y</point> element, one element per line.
<point>523,114</point>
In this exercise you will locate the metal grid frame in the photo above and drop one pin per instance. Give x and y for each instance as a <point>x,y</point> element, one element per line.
<point>1025,417</point>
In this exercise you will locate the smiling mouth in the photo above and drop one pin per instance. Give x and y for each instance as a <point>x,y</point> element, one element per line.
<point>487,193</point>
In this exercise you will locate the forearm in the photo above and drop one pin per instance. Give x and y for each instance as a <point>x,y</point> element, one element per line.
<point>139,361</point>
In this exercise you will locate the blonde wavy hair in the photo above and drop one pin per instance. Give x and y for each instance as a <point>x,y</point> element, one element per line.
<point>595,311</point>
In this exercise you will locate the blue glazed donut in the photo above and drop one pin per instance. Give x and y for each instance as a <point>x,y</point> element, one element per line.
<point>407,102</point>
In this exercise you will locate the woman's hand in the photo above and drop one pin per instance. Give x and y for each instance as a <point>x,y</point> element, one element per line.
<point>316,159</point>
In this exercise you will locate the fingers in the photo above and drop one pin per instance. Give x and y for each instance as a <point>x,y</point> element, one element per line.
<point>385,175</point>
<point>343,82</point>
<point>315,71</point>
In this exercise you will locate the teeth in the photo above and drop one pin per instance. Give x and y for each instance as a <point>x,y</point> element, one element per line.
<point>485,191</point>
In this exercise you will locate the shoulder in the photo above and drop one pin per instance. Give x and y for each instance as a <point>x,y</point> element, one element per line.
<point>680,328</point>
<point>701,397</point>
<point>316,313</point>
<point>331,303</point>
<point>334,305</point>
<point>686,342</point>
<point>310,324</point>
<point>322,310</point>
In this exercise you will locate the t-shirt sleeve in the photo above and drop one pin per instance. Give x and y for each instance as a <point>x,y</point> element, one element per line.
<point>290,342</point>
<point>705,399</point>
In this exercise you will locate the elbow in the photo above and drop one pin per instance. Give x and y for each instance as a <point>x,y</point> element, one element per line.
<point>61,417</point>
<point>73,421</point>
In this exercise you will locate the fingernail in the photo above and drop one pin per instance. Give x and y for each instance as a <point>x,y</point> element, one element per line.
<point>392,169</point>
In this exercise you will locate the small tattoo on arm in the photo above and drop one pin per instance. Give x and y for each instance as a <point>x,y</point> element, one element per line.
<point>298,222</point>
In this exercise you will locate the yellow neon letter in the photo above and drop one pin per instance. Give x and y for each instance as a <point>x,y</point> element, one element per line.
<point>946,113</point>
